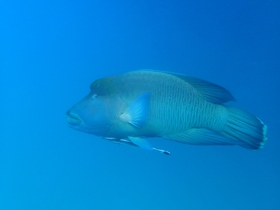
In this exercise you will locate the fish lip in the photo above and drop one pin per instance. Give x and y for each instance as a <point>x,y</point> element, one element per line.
<point>73,118</point>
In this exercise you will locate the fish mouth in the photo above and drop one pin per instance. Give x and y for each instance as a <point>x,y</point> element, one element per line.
<point>73,118</point>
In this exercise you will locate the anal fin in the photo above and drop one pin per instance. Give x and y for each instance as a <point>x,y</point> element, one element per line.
<point>144,144</point>
<point>201,136</point>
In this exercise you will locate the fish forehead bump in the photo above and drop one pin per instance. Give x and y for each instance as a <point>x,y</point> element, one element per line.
<point>145,78</point>
<point>136,82</point>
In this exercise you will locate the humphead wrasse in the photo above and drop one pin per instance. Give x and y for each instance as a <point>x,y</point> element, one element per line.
<point>131,107</point>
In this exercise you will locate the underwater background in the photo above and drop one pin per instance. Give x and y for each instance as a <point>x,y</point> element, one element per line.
<point>51,51</point>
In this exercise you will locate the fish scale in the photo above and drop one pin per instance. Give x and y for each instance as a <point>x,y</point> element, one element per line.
<point>182,107</point>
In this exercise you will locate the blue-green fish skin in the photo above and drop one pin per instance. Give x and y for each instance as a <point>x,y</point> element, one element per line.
<point>147,103</point>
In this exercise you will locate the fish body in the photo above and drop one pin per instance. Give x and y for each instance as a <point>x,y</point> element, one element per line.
<point>131,107</point>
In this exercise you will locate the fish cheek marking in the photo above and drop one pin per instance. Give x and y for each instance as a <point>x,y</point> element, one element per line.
<point>118,115</point>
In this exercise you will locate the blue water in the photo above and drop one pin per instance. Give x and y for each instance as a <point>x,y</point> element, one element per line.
<point>51,51</point>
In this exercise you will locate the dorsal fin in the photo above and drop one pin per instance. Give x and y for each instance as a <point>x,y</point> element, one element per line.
<point>207,90</point>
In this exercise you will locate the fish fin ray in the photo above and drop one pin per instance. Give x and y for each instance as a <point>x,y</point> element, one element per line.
<point>245,128</point>
<point>137,113</point>
<point>140,142</point>
<point>207,90</point>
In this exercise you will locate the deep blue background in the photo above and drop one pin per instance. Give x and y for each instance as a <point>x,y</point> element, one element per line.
<point>50,52</point>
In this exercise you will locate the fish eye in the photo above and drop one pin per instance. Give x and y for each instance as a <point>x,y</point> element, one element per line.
<point>93,96</point>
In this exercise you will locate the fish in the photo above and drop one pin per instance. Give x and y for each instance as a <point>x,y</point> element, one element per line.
<point>132,107</point>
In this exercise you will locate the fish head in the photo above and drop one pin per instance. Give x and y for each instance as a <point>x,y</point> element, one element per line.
<point>95,114</point>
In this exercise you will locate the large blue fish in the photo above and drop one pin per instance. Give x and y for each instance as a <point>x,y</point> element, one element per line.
<point>131,107</point>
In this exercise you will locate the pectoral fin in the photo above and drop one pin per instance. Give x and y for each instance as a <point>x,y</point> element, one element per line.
<point>137,113</point>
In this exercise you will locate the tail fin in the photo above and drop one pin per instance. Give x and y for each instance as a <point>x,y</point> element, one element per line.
<point>245,128</point>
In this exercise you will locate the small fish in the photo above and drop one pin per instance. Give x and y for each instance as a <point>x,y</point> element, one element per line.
<point>131,107</point>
